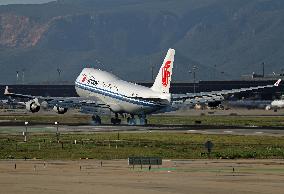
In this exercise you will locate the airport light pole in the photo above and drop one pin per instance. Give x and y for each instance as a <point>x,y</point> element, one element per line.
<point>152,72</point>
<point>17,72</point>
<point>25,133</point>
<point>193,71</point>
<point>23,76</point>
<point>215,70</point>
<point>59,71</point>
<point>263,73</point>
<point>57,131</point>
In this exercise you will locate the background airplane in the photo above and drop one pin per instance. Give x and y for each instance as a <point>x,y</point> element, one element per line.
<point>101,89</point>
<point>276,104</point>
<point>249,104</point>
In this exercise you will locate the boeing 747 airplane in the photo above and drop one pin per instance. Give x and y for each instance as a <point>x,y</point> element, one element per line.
<point>101,89</point>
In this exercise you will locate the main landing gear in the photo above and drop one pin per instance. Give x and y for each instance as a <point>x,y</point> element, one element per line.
<point>131,120</point>
<point>141,120</point>
<point>96,120</point>
<point>116,120</point>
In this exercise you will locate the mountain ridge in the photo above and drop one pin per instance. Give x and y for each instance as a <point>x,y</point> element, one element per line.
<point>128,37</point>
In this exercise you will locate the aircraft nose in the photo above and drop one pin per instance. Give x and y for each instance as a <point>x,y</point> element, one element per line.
<point>82,77</point>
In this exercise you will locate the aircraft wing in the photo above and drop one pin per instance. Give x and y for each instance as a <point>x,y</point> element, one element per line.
<point>22,96</point>
<point>204,97</point>
<point>76,102</point>
<point>64,102</point>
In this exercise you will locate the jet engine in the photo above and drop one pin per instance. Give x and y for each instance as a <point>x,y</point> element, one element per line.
<point>44,105</point>
<point>214,104</point>
<point>216,101</point>
<point>60,110</point>
<point>33,106</point>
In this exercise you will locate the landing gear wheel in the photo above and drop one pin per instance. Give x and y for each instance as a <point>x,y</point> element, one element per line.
<point>115,121</point>
<point>97,120</point>
<point>131,120</point>
<point>143,120</point>
<point>146,121</point>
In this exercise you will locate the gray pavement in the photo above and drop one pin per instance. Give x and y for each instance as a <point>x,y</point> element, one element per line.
<point>137,129</point>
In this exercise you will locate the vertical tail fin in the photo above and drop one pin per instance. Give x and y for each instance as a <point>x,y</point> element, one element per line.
<point>163,79</point>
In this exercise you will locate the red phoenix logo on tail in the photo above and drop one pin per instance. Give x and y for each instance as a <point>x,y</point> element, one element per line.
<point>166,74</point>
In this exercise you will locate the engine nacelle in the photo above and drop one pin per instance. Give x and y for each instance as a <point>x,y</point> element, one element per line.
<point>60,110</point>
<point>44,105</point>
<point>268,107</point>
<point>32,106</point>
<point>214,104</point>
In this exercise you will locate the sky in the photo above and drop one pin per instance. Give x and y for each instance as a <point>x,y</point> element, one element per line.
<point>6,2</point>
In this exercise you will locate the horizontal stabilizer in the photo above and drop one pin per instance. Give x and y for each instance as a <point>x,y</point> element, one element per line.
<point>277,83</point>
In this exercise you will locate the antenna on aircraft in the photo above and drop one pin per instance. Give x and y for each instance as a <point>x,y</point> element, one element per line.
<point>100,64</point>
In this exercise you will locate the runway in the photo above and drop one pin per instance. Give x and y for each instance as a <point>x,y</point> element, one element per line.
<point>73,122</point>
<point>260,131</point>
<point>183,129</point>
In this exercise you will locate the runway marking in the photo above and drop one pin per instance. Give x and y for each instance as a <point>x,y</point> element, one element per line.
<point>191,130</point>
<point>259,132</point>
<point>228,131</point>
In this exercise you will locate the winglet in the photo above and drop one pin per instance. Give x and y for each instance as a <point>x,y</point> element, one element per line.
<point>277,83</point>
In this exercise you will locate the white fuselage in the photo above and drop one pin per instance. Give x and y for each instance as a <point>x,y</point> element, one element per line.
<point>277,104</point>
<point>120,96</point>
